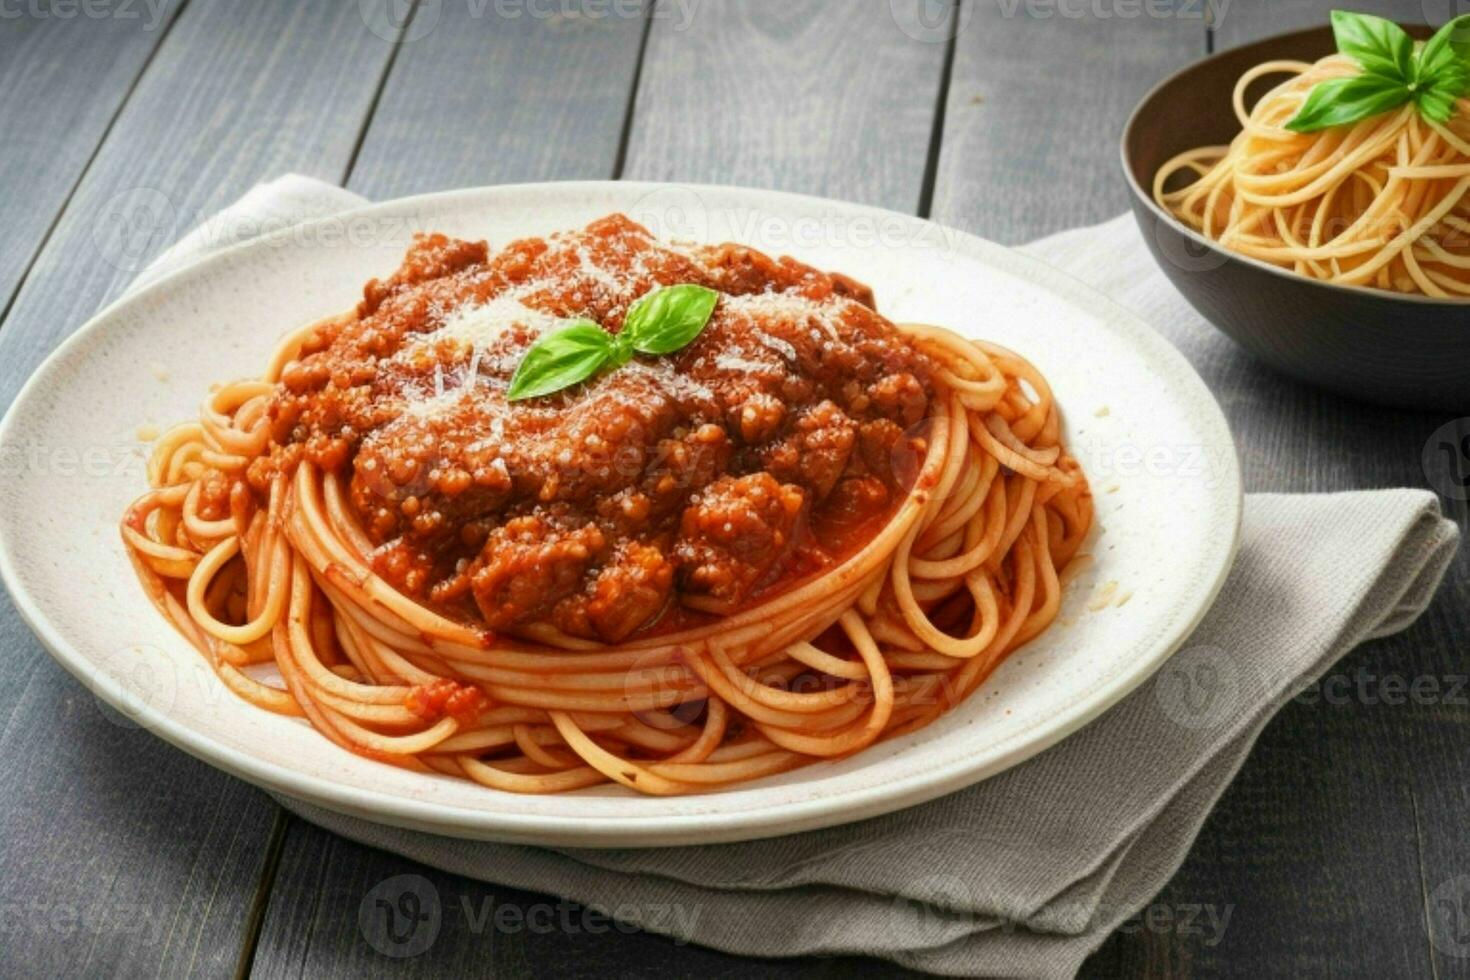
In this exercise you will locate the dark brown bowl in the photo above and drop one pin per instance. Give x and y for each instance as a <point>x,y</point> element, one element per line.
<point>1406,351</point>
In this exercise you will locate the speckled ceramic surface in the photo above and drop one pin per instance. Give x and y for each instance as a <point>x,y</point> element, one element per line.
<point>1143,425</point>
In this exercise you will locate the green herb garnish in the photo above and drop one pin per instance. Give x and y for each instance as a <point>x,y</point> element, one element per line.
<point>1432,77</point>
<point>660,322</point>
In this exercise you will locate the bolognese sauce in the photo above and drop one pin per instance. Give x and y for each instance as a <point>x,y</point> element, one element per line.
<point>681,486</point>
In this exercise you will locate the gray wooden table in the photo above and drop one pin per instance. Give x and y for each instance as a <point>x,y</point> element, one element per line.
<point>1342,838</point>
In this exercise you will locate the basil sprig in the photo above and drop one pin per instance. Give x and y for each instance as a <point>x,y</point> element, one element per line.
<point>1393,73</point>
<point>659,322</point>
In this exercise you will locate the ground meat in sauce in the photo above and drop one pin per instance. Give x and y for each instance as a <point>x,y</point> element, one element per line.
<point>668,488</point>
<point>733,533</point>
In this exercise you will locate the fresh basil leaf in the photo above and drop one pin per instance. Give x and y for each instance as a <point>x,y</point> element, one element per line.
<point>1442,71</point>
<point>1339,101</point>
<point>660,322</point>
<point>664,320</point>
<point>622,348</point>
<point>1452,78</point>
<point>1437,103</point>
<point>1379,45</point>
<point>1433,78</point>
<point>560,360</point>
<point>1447,50</point>
<point>1435,106</point>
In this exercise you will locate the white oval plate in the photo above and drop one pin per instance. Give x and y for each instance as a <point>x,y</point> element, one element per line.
<point>1147,431</point>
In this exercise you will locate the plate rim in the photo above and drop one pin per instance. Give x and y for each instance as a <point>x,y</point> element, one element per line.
<point>654,830</point>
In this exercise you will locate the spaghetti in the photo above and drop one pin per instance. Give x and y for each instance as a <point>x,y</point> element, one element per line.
<point>1379,203</point>
<point>260,557</point>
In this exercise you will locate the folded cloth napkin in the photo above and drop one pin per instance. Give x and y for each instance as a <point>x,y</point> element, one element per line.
<point>1028,872</point>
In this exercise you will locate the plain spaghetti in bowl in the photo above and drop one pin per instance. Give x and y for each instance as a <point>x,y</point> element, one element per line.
<point>1354,170</point>
<point>600,508</point>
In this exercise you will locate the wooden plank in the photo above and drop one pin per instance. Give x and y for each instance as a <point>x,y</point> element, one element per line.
<point>1349,817</point>
<point>1037,102</point>
<point>1310,859</point>
<point>122,855</point>
<point>62,81</point>
<point>488,93</point>
<point>1241,21</point>
<point>793,96</point>
<point>1318,817</point>
<point>765,78</point>
<point>314,930</point>
<point>244,93</point>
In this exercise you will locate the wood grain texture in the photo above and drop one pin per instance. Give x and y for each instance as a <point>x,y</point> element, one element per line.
<point>1339,850</point>
<point>498,94</point>
<point>1037,102</point>
<point>1239,21</point>
<point>1343,835</point>
<point>243,91</point>
<point>795,95</point>
<point>1352,808</point>
<point>62,82</point>
<point>1314,851</point>
<point>122,855</point>
<point>313,929</point>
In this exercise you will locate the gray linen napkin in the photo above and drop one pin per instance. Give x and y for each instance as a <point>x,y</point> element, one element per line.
<point>1028,872</point>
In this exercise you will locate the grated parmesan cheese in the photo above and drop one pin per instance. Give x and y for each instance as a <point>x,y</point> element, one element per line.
<point>477,327</point>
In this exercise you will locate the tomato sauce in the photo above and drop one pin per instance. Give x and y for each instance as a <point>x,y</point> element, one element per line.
<point>685,485</point>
